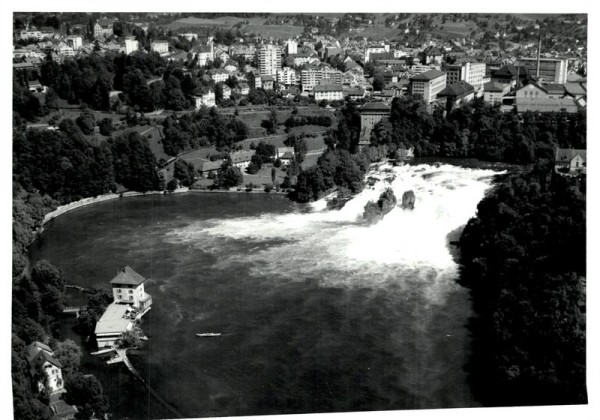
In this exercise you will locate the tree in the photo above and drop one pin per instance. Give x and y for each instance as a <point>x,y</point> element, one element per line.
<point>184,172</point>
<point>271,123</point>
<point>85,391</point>
<point>86,121</point>
<point>228,176</point>
<point>134,162</point>
<point>106,126</point>
<point>378,83</point>
<point>69,355</point>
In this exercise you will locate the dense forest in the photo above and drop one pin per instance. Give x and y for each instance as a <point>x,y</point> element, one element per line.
<point>523,258</point>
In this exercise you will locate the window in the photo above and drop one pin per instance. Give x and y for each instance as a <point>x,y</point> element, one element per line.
<point>130,297</point>
<point>130,291</point>
<point>118,290</point>
<point>119,296</point>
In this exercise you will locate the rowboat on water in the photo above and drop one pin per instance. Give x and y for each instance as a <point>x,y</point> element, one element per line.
<point>208,334</point>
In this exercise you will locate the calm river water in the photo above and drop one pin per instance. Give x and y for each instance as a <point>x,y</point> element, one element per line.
<point>318,312</point>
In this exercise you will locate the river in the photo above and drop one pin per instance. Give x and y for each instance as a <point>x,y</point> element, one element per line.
<point>318,312</point>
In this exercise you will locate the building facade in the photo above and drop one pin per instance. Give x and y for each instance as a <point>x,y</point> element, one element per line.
<point>269,60</point>
<point>472,73</point>
<point>291,47</point>
<point>131,45</point>
<point>551,70</point>
<point>286,76</point>
<point>45,368</point>
<point>427,85</point>
<point>205,99</point>
<point>370,114</point>
<point>328,92</point>
<point>161,47</point>
<point>74,41</point>
<point>103,27</point>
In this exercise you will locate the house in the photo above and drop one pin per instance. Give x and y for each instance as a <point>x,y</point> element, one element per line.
<point>457,94</point>
<point>493,92</point>
<point>333,92</point>
<point>268,82</point>
<point>355,93</point>
<point>427,85</point>
<point>128,287</point>
<point>286,76</point>
<point>130,303</point>
<point>161,47</point>
<point>432,55</point>
<point>103,28</point>
<point>570,161</point>
<point>285,154</point>
<point>45,368</point>
<point>209,168</point>
<point>241,158</point>
<point>243,88</point>
<point>218,75</point>
<point>204,99</point>
<point>226,92</point>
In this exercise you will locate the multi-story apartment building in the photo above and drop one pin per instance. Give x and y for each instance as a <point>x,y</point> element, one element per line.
<point>269,59</point>
<point>286,76</point>
<point>291,47</point>
<point>74,41</point>
<point>131,45</point>
<point>427,85</point>
<point>320,75</point>
<point>161,47</point>
<point>551,70</point>
<point>472,73</point>
<point>328,92</point>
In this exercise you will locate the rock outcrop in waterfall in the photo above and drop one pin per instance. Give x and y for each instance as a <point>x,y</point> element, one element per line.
<point>408,200</point>
<point>374,211</point>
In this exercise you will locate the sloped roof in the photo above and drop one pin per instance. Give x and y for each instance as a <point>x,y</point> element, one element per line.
<point>565,155</point>
<point>39,353</point>
<point>327,88</point>
<point>128,276</point>
<point>428,75</point>
<point>575,89</point>
<point>493,87</point>
<point>375,106</point>
<point>555,88</point>
<point>210,166</point>
<point>510,70</point>
<point>459,89</point>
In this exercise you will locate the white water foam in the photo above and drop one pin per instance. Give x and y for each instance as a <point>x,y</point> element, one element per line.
<point>335,246</point>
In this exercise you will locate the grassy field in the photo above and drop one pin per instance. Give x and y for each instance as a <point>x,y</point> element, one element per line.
<point>263,176</point>
<point>377,32</point>
<point>275,31</point>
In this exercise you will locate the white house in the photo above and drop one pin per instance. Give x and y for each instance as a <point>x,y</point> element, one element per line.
<point>130,302</point>
<point>331,92</point>
<point>205,99</point>
<point>131,45</point>
<point>45,368</point>
<point>242,158</point>
<point>161,47</point>
<point>74,41</point>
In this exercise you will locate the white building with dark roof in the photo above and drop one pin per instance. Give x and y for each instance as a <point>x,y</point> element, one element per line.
<point>130,302</point>
<point>45,368</point>
<point>427,85</point>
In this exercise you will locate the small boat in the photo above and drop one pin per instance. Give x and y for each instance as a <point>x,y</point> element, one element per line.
<point>208,334</point>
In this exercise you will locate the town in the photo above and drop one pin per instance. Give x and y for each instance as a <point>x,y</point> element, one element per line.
<point>112,105</point>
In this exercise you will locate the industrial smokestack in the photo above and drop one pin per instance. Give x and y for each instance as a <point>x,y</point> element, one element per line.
<point>539,56</point>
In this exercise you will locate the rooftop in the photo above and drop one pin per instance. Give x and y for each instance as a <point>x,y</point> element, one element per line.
<point>113,321</point>
<point>328,88</point>
<point>375,106</point>
<point>565,155</point>
<point>128,276</point>
<point>459,89</point>
<point>428,75</point>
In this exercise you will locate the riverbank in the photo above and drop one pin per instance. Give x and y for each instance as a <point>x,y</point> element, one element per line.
<point>59,211</point>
